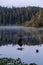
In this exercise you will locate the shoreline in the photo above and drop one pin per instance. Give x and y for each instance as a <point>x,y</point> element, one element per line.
<point>21,27</point>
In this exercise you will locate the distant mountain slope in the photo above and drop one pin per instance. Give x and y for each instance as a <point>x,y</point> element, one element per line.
<point>27,16</point>
<point>37,20</point>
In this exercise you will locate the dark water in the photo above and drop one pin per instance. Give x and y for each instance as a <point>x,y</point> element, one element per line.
<point>22,42</point>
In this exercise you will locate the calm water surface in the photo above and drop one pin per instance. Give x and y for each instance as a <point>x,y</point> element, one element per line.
<point>22,42</point>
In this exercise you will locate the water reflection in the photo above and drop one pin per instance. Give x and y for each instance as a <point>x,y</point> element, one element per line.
<point>21,37</point>
<point>20,42</point>
<point>20,49</point>
<point>26,44</point>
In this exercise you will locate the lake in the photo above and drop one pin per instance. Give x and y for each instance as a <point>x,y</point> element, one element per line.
<point>21,42</point>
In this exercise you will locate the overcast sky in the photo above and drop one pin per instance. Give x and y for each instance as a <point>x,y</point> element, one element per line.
<point>21,3</point>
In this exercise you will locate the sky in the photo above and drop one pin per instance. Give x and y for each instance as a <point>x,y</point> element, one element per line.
<point>21,3</point>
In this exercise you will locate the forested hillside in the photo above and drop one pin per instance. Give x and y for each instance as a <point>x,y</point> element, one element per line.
<point>27,16</point>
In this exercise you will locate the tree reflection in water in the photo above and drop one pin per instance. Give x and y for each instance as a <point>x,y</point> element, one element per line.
<point>20,42</point>
<point>20,37</point>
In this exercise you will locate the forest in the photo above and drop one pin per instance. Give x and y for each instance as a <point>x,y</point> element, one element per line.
<point>26,16</point>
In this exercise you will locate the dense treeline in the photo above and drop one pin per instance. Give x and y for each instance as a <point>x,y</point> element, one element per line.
<point>17,16</point>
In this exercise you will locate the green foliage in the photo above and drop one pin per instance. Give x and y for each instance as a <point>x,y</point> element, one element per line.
<point>7,61</point>
<point>32,64</point>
